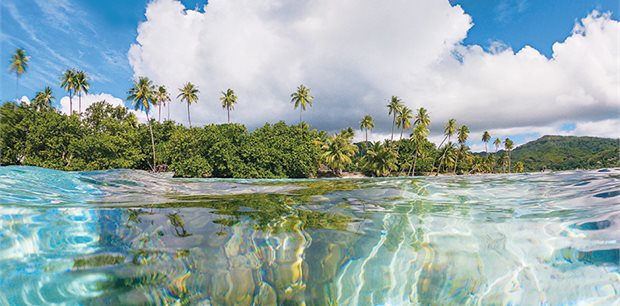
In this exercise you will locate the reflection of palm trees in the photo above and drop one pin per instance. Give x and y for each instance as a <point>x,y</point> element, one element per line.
<point>177,222</point>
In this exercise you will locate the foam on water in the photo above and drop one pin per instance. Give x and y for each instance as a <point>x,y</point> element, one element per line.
<point>130,237</point>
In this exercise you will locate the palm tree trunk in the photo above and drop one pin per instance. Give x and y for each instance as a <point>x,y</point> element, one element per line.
<point>17,86</point>
<point>80,102</point>
<point>228,111</point>
<point>159,110</point>
<point>456,162</point>
<point>509,157</point>
<point>393,123</point>
<point>401,134</point>
<point>152,142</point>
<point>300,110</point>
<point>366,136</point>
<point>486,150</point>
<point>189,118</point>
<point>168,110</point>
<point>70,103</point>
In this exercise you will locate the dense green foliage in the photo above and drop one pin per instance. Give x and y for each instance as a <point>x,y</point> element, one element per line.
<point>108,137</point>
<point>568,152</point>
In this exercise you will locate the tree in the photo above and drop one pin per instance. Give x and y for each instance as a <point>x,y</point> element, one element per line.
<point>404,120</point>
<point>486,137</point>
<point>337,152</point>
<point>380,160</point>
<point>189,94</point>
<point>19,65</point>
<point>394,108</point>
<point>367,124</point>
<point>228,99</point>
<point>449,130</point>
<point>143,96</point>
<point>422,117</point>
<point>497,143</point>
<point>463,134</point>
<point>43,99</point>
<point>301,98</point>
<point>420,132</point>
<point>162,97</point>
<point>81,86</point>
<point>67,82</point>
<point>519,167</point>
<point>508,145</point>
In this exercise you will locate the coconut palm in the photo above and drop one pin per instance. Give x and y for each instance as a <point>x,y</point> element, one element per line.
<point>81,86</point>
<point>380,160</point>
<point>449,130</point>
<point>337,152</point>
<point>462,136</point>
<point>301,98</point>
<point>67,82</point>
<point>162,98</point>
<point>404,120</point>
<point>519,168</point>
<point>189,93</point>
<point>228,99</point>
<point>486,137</point>
<point>19,65</point>
<point>43,99</point>
<point>420,132</point>
<point>497,143</point>
<point>508,145</point>
<point>367,124</point>
<point>394,108</point>
<point>422,117</point>
<point>143,96</point>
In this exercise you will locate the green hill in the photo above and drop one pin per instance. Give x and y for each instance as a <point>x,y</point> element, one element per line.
<point>568,152</point>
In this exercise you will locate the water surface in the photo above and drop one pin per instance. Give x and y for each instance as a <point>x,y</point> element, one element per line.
<point>129,237</point>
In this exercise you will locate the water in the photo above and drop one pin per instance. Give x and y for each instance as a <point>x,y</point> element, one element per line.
<point>129,237</point>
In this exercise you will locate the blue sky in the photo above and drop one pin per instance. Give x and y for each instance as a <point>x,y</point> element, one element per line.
<point>95,36</point>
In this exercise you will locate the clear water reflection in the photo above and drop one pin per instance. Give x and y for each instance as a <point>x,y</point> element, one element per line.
<point>128,237</point>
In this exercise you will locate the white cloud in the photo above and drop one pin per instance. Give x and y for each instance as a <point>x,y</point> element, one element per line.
<point>90,99</point>
<point>356,54</point>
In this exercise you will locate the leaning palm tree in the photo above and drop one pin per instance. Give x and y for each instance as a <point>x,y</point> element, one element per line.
<point>81,86</point>
<point>367,124</point>
<point>301,98</point>
<point>420,132</point>
<point>43,99</point>
<point>462,136</point>
<point>189,94</point>
<point>497,143</point>
<point>403,121</point>
<point>486,137</point>
<point>162,98</point>
<point>394,108</point>
<point>143,96</point>
<point>508,145</point>
<point>228,99</point>
<point>67,82</point>
<point>19,65</point>
<point>449,130</point>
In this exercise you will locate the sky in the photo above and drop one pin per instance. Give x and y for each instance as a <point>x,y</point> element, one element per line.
<point>517,68</point>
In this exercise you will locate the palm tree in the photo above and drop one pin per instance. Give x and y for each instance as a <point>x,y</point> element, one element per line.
<point>420,132</point>
<point>449,130</point>
<point>81,86</point>
<point>367,124</point>
<point>19,65</point>
<point>43,99</point>
<point>143,96</point>
<point>508,144</point>
<point>404,120</point>
<point>189,94</point>
<point>301,98</point>
<point>519,167</point>
<point>381,160</point>
<point>463,134</point>
<point>394,108</point>
<point>422,117</point>
<point>497,143</point>
<point>228,99</point>
<point>67,82</point>
<point>162,97</point>
<point>337,152</point>
<point>486,137</point>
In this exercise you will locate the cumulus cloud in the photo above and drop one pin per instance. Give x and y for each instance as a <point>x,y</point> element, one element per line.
<point>356,54</point>
<point>90,99</point>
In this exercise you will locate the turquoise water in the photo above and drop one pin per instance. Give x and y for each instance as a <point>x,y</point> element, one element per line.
<point>130,237</point>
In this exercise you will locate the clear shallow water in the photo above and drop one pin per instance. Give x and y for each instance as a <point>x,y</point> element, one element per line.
<point>129,237</point>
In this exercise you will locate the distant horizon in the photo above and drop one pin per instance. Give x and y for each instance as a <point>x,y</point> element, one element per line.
<point>456,58</point>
